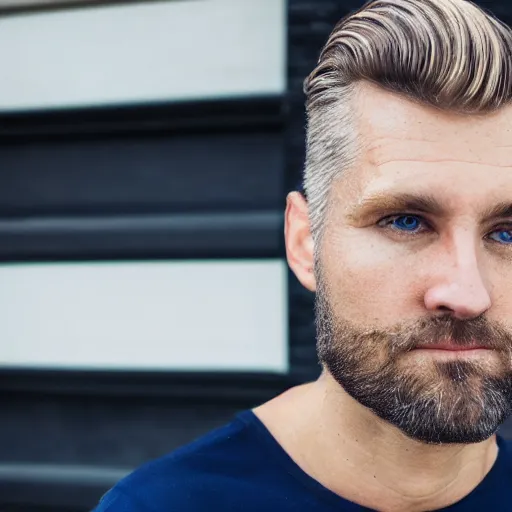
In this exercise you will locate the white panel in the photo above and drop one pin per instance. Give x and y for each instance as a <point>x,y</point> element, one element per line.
<point>152,51</point>
<point>145,316</point>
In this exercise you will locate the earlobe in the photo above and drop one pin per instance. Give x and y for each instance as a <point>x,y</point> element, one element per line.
<point>299,241</point>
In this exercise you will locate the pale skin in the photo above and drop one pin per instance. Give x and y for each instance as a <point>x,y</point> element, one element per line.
<point>456,263</point>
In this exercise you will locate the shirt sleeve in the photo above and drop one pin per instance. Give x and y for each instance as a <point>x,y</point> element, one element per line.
<point>116,500</point>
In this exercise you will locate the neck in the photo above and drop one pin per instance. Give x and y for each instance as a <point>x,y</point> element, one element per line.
<point>353,453</point>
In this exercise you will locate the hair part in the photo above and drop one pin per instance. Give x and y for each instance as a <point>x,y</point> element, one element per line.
<point>447,54</point>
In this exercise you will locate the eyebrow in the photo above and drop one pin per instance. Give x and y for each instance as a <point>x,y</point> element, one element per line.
<point>382,203</point>
<point>386,203</point>
<point>498,211</point>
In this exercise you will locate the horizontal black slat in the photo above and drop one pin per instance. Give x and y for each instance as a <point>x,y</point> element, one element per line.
<point>220,386</point>
<point>48,485</point>
<point>215,235</point>
<point>123,431</point>
<point>18,6</point>
<point>94,176</point>
<point>263,113</point>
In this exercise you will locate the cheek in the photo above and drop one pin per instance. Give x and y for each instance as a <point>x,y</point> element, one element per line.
<point>371,282</point>
<point>497,277</point>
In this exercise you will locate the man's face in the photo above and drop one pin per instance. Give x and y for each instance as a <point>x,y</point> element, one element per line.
<point>415,264</point>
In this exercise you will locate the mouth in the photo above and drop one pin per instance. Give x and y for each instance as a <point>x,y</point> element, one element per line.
<point>448,350</point>
<point>452,347</point>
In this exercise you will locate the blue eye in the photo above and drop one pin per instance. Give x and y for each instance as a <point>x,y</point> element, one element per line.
<point>503,236</point>
<point>406,222</point>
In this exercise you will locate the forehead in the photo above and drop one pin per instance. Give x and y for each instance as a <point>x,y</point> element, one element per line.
<point>407,145</point>
<point>389,122</point>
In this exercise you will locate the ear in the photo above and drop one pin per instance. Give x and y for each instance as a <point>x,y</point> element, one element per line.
<point>298,240</point>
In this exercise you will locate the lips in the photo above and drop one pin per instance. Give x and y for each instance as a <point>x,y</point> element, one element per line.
<point>452,347</point>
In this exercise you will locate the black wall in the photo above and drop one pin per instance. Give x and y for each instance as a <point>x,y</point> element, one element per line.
<point>202,180</point>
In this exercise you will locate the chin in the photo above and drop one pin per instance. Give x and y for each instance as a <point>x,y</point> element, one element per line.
<point>460,409</point>
<point>462,433</point>
<point>446,403</point>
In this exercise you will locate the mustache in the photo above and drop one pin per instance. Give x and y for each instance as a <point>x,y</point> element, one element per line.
<point>464,333</point>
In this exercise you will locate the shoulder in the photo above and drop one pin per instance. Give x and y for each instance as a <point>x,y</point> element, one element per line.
<point>189,478</point>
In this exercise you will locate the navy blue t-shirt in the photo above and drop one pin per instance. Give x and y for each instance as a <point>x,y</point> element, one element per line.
<point>242,468</point>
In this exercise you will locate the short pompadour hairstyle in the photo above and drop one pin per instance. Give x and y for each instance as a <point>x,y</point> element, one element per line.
<point>449,54</point>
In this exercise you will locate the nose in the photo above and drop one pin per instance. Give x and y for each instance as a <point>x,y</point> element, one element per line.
<point>459,286</point>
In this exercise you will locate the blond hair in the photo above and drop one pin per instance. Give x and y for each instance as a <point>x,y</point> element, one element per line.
<point>449,54</point>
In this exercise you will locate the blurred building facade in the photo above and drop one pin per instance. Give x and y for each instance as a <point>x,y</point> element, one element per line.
<point>146,150</point>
